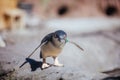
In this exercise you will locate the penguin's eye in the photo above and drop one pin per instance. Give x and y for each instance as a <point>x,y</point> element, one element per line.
<point>56,36</point>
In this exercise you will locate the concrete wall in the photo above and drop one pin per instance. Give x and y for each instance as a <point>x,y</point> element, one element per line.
<point>76,8</point>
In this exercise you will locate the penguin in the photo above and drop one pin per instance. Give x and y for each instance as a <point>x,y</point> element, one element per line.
<point>51,46</point>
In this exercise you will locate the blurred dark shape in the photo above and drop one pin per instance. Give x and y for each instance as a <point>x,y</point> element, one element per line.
<point>111,10</point>
<point>112,78</point>
<point>113,74</point>
<point>33,64</point>
<point>7,20</point>
<point>17,18</point>
<point>61,78</point>
<point>6,17</point>
<point>62,10</point>
<point>28,7</point>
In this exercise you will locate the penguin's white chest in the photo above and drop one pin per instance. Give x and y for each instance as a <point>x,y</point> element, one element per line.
<point>50,50</point>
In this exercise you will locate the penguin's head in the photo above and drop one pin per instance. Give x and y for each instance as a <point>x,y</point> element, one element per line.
<point>60,35</point>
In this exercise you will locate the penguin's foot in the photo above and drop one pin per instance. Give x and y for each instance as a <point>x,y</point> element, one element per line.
<point>45,65</point>
<point>58,64</point>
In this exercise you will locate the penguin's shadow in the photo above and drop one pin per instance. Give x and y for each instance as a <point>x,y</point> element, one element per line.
<point>34,64</point>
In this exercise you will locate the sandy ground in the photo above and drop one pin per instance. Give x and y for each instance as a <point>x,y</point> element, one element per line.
<point>101,53</point>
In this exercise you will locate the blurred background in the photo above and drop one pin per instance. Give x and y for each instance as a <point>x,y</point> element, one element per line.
<point>93,24</point>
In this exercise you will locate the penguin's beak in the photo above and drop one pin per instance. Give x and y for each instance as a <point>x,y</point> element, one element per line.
<point>66,40</point>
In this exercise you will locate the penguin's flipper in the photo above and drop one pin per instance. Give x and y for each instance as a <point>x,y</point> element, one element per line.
<point>41,55</point>
<point>47,38</point>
